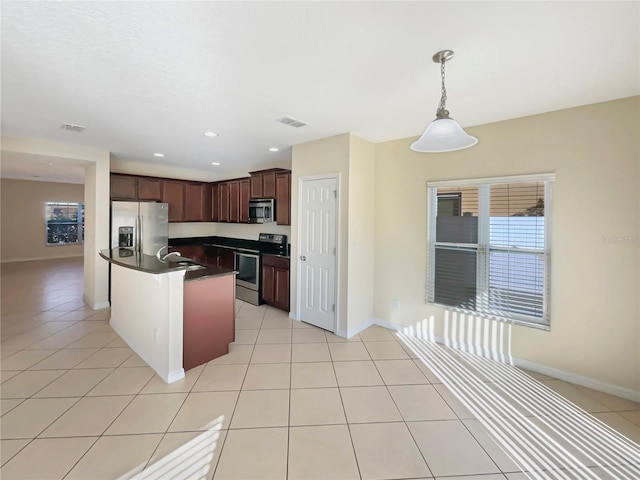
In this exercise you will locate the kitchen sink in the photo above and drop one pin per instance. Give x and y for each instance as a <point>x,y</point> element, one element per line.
<point>190,265</point>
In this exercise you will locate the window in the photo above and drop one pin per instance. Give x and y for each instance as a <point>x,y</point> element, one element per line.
<point>64,223</point>
<point>488,247</point>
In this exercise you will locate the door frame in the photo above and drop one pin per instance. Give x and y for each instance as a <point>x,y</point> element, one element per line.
<point>336,294</point>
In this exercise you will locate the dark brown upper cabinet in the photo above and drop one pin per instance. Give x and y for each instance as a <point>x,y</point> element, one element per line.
<point>124,187</point>
<point>173,193</point>
<point>197,205</point>
<point>244,200</point>
<point>234,201</point>
<point>283,198</point>
<point>223,202</point>
<point>269,184</point>
<point>150,189</point>
<point>215,201</point>
<point>263,183</point>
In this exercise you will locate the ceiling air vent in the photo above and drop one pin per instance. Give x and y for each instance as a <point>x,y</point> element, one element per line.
<point>72,127</point>
<point>291,122</point>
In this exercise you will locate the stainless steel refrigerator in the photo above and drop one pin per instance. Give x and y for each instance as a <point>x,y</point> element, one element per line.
<point>142,227</point>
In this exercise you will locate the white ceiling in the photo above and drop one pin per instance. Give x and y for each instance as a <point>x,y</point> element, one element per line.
<point>147,77</point>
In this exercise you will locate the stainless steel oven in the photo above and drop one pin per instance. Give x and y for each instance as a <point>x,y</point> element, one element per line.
<point>247,264</point>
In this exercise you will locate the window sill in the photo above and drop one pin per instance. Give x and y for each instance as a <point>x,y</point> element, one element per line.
<point>497,318</point>
<point>63,244</point>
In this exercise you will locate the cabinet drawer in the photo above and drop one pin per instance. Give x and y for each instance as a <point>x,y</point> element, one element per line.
<point>275,261</point>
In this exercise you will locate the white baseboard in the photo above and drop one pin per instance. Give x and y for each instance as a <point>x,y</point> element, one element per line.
<point>95,306</point>
<point>173,376</point>
<point>31,259</point>
<point>599,385</point>
<point>100,306</point>
<point>605,387</point>
<point>354,331</point>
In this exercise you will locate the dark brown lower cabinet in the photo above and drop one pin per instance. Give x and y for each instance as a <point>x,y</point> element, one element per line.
<point>220,256</point>
<point>194,252</point>
<point>275,281</point>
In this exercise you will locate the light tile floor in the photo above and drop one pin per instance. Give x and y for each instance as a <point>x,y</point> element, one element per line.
<point>289,401</point>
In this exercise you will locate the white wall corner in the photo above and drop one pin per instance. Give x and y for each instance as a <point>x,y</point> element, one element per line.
<point>354,331</point>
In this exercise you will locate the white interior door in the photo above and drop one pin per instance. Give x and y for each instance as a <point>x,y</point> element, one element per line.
<point>317,260</point>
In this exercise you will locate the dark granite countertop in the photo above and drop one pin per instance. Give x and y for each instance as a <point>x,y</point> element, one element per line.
<point>150,264</point>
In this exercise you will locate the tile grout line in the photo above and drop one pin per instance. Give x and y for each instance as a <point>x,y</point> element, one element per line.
<point>215,469</point>
<point>344,411</point>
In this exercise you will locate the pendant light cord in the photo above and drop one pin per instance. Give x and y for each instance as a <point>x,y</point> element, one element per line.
<point>442,108</point>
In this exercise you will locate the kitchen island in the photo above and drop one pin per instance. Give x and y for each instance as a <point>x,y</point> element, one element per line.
<point>174,314</point>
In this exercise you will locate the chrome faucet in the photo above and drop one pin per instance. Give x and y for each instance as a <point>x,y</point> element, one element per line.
<point>163,258</point>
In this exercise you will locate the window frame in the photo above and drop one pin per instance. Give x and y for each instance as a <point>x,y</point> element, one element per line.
<point>483,247</point>
<point>79,222</point>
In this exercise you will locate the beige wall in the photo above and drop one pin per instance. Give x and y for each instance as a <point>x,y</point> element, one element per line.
<point>234,230</point>
<point>23,229</point>
<point>594,151</point>
<point>353,160</point>
<point>211,175</point>
<point>361,232</point>
<point>96,201</point>
<point>325,156</point>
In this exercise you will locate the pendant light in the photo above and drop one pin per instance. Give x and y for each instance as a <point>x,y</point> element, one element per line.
<point>444,134</point>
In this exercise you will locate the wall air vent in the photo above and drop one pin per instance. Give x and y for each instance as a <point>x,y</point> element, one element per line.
<point>291,122</point>
<point>72,127</point>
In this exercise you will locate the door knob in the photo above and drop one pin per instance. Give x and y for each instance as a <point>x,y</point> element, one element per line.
<point>303,258</point>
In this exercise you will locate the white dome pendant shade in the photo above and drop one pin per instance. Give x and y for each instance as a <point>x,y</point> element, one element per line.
<point>444,134</point>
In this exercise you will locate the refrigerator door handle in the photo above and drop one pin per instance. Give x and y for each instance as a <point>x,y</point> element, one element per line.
<point>141,234</point>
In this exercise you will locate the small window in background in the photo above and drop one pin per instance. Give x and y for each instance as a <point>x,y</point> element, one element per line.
<point>64,223</point>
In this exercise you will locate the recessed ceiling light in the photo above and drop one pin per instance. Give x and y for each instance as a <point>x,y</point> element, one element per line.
<point>210,134</point>
<point>215,164</point>
<point>159,155</point>
<point>274,149</point>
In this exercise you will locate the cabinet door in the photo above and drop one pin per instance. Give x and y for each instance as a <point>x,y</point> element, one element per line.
<point>227,259</point>
<point>234,201</point>
<point>283,198</point>
<point>281,288</point>
<point>173,193</point>
<point>212,255</point>
<point>223,203</point>
<point>149,188</point>
<point>256,185</point>
<point>268,276</point>
<point>269,184</point>
<point>215,201</point>
<point>123,187</point>
<point>244,200</point>
<point>197,202</point>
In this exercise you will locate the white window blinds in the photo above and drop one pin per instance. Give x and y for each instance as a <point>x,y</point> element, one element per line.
<point>488,247</point>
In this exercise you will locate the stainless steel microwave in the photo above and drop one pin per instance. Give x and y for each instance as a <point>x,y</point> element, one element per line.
<point>262,210</point>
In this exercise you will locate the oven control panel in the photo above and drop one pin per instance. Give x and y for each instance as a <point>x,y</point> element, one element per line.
<point>273,238</point>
